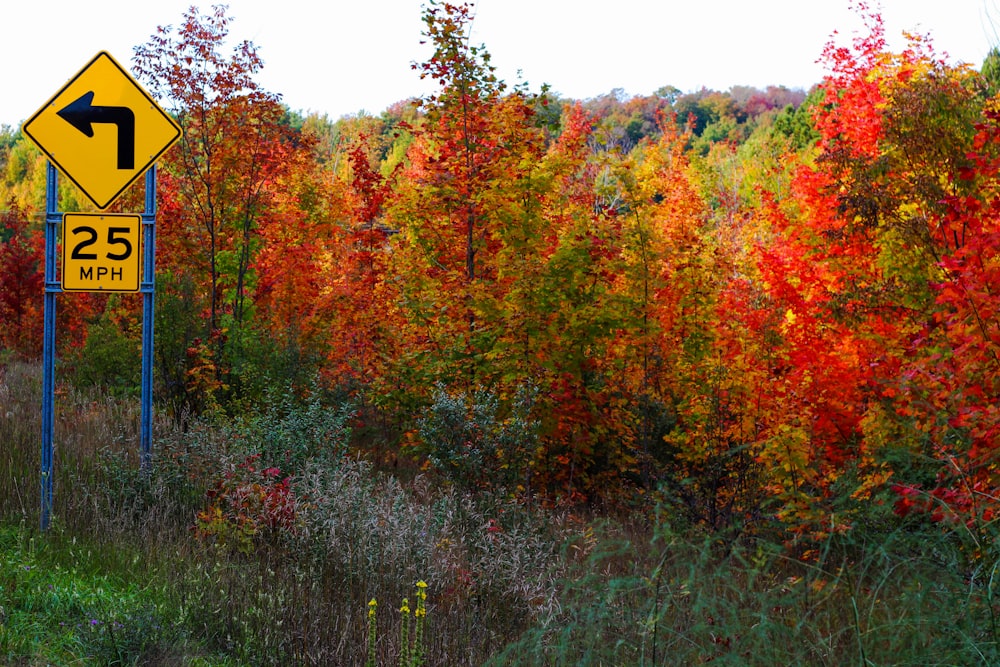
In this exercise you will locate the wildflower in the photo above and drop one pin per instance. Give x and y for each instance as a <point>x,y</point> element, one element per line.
<point>417,652</point>
<point>404,640</point>
<point>371,632</point>
<point>421,598</point>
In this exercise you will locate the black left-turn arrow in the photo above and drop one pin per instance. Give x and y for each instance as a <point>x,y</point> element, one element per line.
<point>82,114</point>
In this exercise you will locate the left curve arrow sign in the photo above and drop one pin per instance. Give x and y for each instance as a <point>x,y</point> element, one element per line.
<point>82,114</point>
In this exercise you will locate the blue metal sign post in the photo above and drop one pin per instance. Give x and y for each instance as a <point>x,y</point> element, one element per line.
<point>148,288</point>
<point>53,218</point>
<point>52,287</point>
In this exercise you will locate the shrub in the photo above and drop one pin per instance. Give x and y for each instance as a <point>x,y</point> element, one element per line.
<point>467,438</point>
<point>248,507</point>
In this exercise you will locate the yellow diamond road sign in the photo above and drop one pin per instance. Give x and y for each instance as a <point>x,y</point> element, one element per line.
<point>102,130</point>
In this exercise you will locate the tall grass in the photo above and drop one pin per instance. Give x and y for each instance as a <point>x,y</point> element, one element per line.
<point>298,593</point>
<point>905,600</point>
<point>262,541</point>
<point>20,440</point>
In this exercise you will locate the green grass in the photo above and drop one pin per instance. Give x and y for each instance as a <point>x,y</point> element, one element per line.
<point>65,603</point>
<point>129,573</point>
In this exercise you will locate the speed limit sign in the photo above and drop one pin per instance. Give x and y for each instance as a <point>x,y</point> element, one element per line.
<point>101,252</point>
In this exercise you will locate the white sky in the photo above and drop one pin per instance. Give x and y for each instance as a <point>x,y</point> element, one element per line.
<point>339,57</point>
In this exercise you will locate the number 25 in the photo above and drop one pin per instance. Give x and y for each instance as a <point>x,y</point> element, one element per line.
<point>113,240</point>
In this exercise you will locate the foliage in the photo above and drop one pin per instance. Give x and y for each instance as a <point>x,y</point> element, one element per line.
<point>247,508</point>
<point>764,309</point>
<point>252,502</point>
<point>21,280</point>
<point>110,355</point>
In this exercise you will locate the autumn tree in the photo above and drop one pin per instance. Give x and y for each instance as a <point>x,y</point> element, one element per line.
<point>290,270</point>
<point>21,283</point>
<point>839,302</point>
<point>355,292</point>
<point>234,148</point>
<point>947,397</point>
<point>460,198</point>
<point>505,262</point>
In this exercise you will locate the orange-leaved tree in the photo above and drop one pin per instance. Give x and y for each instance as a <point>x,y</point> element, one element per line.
<point>235,149</point>
<point>463,202</point>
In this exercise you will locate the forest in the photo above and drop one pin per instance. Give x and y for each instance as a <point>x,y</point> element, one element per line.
<point>758,326</point>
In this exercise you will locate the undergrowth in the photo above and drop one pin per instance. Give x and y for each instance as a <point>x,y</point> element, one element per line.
<point>263,541</point>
